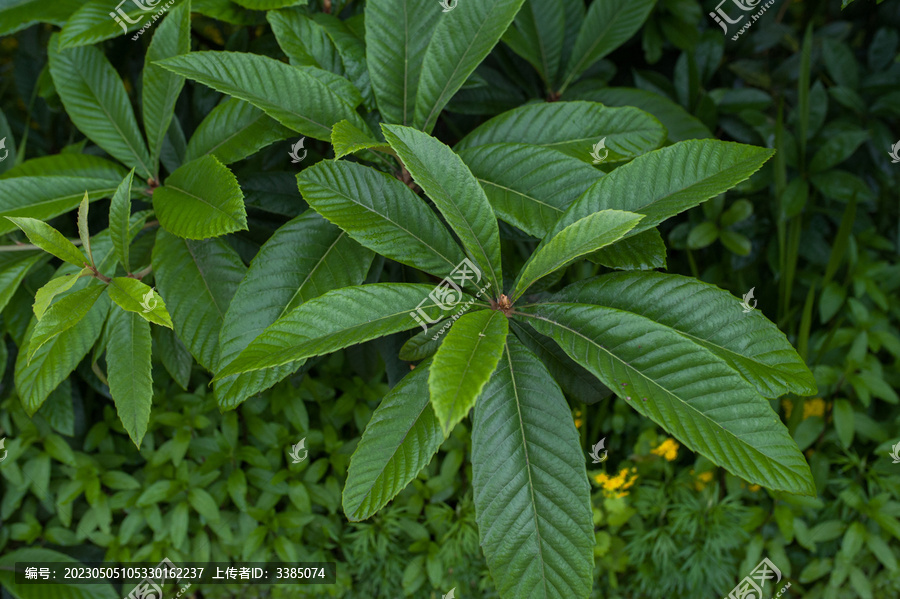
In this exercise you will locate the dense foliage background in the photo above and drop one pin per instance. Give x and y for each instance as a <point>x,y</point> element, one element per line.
<point>816,233</point>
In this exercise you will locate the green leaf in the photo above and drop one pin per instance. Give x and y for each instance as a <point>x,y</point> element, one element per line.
<point>50,240</point>
<point>696,171</point>
<point>538,35</point>
<point>120,219</point>
<point>456,193</point>
<point>63,315</point>
<point>400,439</point>
<point>71,165</point>
<point>352,51</point>
<point>708,316</point>
<point>397,36</point>
<point>305,42</point>
<point>269,4</point>
<point>679,123</point>
<point>837,149</point>
<point>528,186</point>
<point>462,38</point>
<point>13,268</point>
<point>381,213</point>
<point>609,24</point>
<point>201,199</point>
<point>303,259</point>
<point>47,197</point>
<point>582,237</point>
<point>464,363</point>
<point>128,371</point>
<point>644,251</point>
<point>682,386</point>
<point>54,287</point>
<point>161,87</point>
<point>532,499</point>
<point>55,360</point>
<point>79,75</point>
<point>92,23</point>
<point>83,232</point>
<point>333,321</point>
<point>703,235</point>
<point>304,99</point>
<point>24,13</point>
<point>233,131</point>
<point>199,279</point>
<point>347,139</point>
<point>204,504</point>
<point>573,128</point>
<point>137,297</point>
<point>35,555</point>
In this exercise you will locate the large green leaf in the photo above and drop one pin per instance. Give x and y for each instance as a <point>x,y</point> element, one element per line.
<point>304,99</point>
<point>68,164</point>
<point>128,371</point>
<point>233,131</point>
<point>644,251</point>
<point>532,498</point>
<point>692,172</point>
<point>538,35</point>
<point>46,197</point>
<point>120,220</point>
<point>93,23</point>
<point>15,16</point>
<point>96,101</point>
<point>708,316</point>
<point>382,214</point>
<point>161,87</point>
<point>333,321</point>
<point>13,268</point>
<point>400,439</point>
<point>462,38</point>
<point>683,387</point>
<point>573,128</point>
<point>456,193</point>
<point>464,363</point>
<point>609,24</point>
<point>134,296</point>
<point>56,359</point>
<point>303,259</point>
<point>50,240</point>
<point>59,590</point>
<point>62,316</point>
<point>397,35</point>
<point>304,41</point>
<point>198,280</point>
<point>352,51</point>
<point>45,295</point>
<point>582,237</point>
<point>201,199</point>
<point>529,186</point>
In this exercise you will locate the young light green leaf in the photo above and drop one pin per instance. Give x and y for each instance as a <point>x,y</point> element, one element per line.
<point>397,35</point>
<point>584,236</point>
<point>233,131</point>
<point>683,387</point>
<point>609,24</point>
<point>382,214</point>
<point>462,39</point>
<point>708,316</point>
<point>304,99</point>
<point>528,186</point>
<point>464,363</point>
<point>83,231</point>
<point>50,240</point>
<point>400,439</point>
<point>161,87</point>
<point>63,315</point>
<point>201,199</point>
<point>333,321</point>
<point>79,75</point>
<point>134,296</point>
<point>54,287</point>
<point>120,218</point>
<point>46,197</point>
<point>532,498</point>
<point>198,279</point>
<point>13,268</point>
<point>456,193</point>
<point>303,259</point>
<point>347,139</point>
<point>129,371</point>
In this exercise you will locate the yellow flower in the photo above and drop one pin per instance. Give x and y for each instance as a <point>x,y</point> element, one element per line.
<point>702,479</point>
<point>788,406</point>
<point>754,488</point>
<point>578,420</point>
<point>667,449</point>
<point>813,407</point>
<point>614,486</point>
